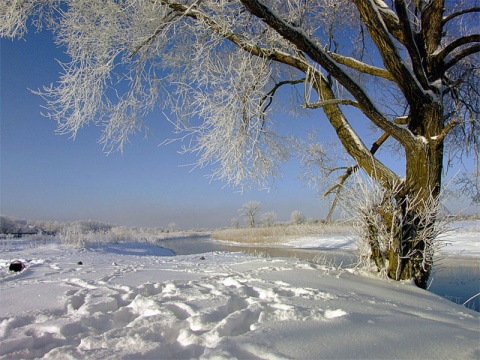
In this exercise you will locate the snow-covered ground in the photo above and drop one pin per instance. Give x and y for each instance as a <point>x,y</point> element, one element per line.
<point>137,301</point>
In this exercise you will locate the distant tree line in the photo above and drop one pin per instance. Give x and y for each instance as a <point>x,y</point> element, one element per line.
<point>250,213</point>
<point>20,227</point>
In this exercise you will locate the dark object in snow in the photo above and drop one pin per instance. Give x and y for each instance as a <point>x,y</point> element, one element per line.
<point>16,266</point>
<point>79,263</point>
<point>202,258</point>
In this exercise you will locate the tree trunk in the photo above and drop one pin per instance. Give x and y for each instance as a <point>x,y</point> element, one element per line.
<point>408,213</point>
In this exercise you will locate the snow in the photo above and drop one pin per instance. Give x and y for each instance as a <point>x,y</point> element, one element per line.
<point>137,301</point>
<point>324,242</point>
<point>463,238</point>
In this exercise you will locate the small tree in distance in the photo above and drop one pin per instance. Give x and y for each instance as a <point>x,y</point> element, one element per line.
<point>268,218</point>
<point>172,227</point>
<point>249,212</point>
<point>235,223</point>
<point>297,217</point>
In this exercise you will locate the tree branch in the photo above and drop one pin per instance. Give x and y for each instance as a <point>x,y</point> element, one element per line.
<point>269,96</point>
<point>451,124</point>
<point>452,59</point>
<point>449,48</point>
<point>151,37</point>
<point>410,86</point>
<point>324,103</point>
<point>253,49</point>
<point>410,43</point>
<point>400,120</point>
<point>361,66</point>
<point>345,132</point>
<point>459,13</point>
<point>391,20</point>
<point>337,188</point>
<point>431,21</point>
<point>348,137</point>
<point>298,37</point>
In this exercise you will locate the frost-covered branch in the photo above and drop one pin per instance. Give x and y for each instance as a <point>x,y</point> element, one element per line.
<point>268,98</point>
<point>340,183</point>
<point>14,16</point>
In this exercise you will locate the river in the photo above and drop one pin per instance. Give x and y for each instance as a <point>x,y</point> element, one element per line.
<point>455,278</point>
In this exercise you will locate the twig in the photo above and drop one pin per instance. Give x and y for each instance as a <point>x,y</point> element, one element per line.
<point>473,297</point>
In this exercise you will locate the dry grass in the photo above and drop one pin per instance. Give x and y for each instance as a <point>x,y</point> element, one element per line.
<point>281,233</point>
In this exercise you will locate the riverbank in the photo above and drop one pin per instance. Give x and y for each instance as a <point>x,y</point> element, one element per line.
<point>456,270</point>
<point>459,238</point>
<point>285,235</point>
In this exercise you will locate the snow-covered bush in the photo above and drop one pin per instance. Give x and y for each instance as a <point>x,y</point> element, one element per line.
<point>379,217</point>
<point>75,235</point>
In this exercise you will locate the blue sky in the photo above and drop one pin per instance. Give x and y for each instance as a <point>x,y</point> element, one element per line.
<point>52,177</point>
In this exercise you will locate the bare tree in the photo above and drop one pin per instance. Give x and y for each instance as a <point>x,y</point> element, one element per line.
<point>235,223</point>
<point>408,69</point>
<point>172,227</point>
<point>249,211</point>
<point>268,218</point>
<point>297,217</point>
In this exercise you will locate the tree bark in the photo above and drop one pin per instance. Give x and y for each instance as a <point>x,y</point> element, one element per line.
<point>408,214</point>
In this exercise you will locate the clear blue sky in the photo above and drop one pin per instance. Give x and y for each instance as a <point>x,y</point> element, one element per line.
<point>51,177</point>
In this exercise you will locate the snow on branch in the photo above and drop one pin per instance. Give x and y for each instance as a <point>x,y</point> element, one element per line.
<point>410,85</point>
<point>215,66</point>
<point>361,66</point>
<point>324,103</point>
